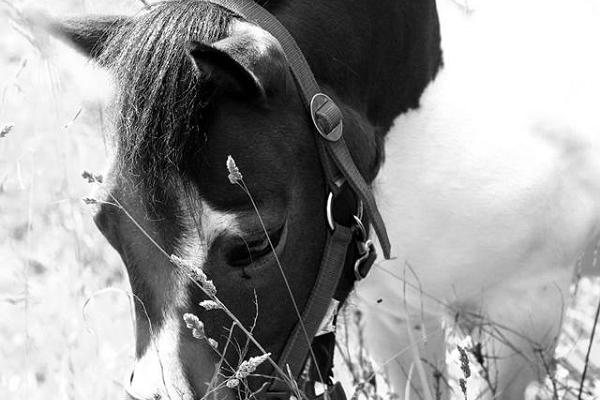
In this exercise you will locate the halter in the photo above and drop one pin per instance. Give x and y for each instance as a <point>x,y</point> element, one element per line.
<point>343,181</point>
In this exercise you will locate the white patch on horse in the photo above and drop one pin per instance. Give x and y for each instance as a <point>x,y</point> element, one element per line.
<point>158,371</point>
<point>202,225</point>
<point>160,366</point>
<point>489,190</point>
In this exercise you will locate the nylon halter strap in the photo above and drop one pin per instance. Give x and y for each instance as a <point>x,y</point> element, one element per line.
<point>338,167</point>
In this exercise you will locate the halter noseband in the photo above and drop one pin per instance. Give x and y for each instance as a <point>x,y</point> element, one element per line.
<point>343,178</point>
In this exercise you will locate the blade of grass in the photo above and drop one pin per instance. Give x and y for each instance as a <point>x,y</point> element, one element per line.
<point>589,351</point>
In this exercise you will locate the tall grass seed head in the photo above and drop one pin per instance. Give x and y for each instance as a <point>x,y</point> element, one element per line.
<point>92,178</point>
<point>5,130</point>
<point>195,273</point>
<point>464,361</point>
<point>89,201</point>
<point>232,383</point>
<point>193,322</point>
<point>463,386</point>
<point>235,176</point>
<point>209,305</point>
<point>249,366</point>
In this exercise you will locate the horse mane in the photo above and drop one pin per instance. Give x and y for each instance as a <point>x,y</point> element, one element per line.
<point>160,94</point>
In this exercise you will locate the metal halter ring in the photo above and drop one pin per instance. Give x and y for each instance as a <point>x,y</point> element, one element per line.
<point>357,217</point>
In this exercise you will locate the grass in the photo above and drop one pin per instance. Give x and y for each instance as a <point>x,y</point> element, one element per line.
<point>54,261</point>
<point>53,257</point>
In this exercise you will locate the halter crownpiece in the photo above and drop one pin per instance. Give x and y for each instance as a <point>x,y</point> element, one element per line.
<point>342,176</point>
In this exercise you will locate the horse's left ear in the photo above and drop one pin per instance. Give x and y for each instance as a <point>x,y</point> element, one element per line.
<point>249,62</point>
<point>88,34</point>
<point>226,72</point>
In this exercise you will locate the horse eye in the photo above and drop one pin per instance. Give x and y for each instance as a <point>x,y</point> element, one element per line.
<point>247,251</point>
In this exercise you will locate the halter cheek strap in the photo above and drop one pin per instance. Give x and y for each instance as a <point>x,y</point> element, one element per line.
<point>341,174</point>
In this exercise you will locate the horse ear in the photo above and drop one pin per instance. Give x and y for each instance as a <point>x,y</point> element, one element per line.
<point>250,61</point>
<point>219,67</point>
<point>89,34</point>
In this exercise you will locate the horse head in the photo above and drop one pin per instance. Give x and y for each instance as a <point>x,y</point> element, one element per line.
<point>198,88</point>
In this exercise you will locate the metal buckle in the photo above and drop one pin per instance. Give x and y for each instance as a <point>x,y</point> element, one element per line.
<point>366,252</point>
<point>326,117</point>
<point>367,248</point>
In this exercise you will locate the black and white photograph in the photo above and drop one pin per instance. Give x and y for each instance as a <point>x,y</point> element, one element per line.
<point>299,199</point>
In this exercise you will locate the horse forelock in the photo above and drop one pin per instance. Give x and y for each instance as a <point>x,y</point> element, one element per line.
<point>160,95</point>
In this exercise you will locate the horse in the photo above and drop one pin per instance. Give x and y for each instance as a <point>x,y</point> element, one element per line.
<point>197,84</point>
<point>217,175</point>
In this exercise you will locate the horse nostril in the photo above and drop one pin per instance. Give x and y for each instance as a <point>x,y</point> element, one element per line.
<point>131,377</point>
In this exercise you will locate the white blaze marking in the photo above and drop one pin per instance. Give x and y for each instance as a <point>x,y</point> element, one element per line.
<point>203,225</point>
<point>160,366</point>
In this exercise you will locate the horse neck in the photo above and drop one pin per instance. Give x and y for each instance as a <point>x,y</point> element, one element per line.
<point>377,56</point>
